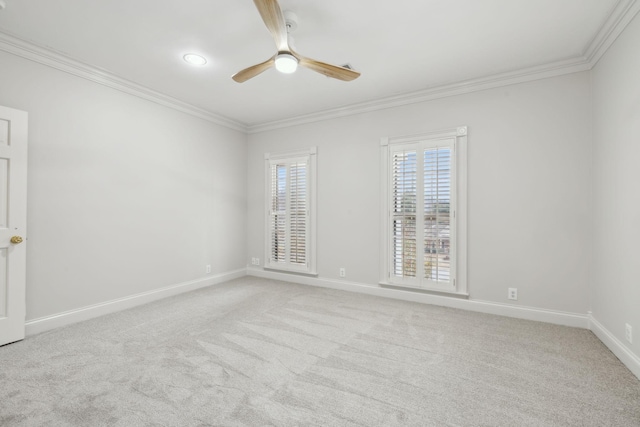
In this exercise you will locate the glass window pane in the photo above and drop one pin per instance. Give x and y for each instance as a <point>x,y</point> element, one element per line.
<point>437,214</point>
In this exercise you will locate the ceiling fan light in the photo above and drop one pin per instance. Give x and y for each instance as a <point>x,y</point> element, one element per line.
<point>286,63</point>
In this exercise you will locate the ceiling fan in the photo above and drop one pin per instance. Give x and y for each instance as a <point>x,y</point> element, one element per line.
<point>286,59</point>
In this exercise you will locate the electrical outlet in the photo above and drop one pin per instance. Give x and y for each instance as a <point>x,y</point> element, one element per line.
<point>513,294</point>
<point>343,272</point>
<point>208,268</point>
<point>257,261</point>
<point>628,333</point>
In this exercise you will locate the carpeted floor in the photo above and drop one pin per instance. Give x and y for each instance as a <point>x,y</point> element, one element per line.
<point>255,352</point>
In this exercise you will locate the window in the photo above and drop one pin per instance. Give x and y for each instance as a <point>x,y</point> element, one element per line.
<point>290,220</point>
<point>424,212</point>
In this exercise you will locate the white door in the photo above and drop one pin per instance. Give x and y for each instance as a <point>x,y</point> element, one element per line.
<point>13,223</point>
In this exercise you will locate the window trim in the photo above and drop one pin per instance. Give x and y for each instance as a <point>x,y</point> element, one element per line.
<point>459,135</point>
<point>310,155</point>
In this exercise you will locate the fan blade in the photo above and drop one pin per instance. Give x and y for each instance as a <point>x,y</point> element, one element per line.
<point>274,20</point>
<point>248,73</point>
<point>328,70</point>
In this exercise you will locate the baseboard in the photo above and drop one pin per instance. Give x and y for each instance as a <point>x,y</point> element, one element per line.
<point>47,323</point>
<point>617,347</point>
<point>529,313</point>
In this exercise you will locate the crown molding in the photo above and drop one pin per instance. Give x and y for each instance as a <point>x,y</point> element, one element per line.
<point>497,80</point>
<point>621,15</point>
<point>22,48</point>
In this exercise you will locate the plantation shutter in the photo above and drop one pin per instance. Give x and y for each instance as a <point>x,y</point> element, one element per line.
<point>278,212</point>
<point>298,209</point>
<point>421,216</point>
<point>437,214</point>
<point>289,214</point>
<point>404,191</point>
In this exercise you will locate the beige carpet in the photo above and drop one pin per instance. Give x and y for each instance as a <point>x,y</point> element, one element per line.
<point>254,352</point>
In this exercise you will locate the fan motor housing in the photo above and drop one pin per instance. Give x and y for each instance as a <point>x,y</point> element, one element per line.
<point>291,20</point>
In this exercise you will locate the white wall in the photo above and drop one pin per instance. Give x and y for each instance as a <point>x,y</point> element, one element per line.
<point>616,255</point>
<point>529,169</point>
<point>125,196</point>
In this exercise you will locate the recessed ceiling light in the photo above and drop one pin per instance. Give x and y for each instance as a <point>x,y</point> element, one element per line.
<point>195,59</point>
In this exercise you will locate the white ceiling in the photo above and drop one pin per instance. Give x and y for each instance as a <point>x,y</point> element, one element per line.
<point>399,46</point>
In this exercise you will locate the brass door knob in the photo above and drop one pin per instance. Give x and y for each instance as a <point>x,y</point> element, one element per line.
<point>16,239</point>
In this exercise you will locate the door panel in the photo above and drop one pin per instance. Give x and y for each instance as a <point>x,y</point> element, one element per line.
<point>4,132</point>
<point>4,196</point>
<point>3,283</point>
<point>13,223</point>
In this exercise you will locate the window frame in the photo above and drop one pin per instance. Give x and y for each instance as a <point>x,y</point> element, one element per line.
<point>310,157</point>
<point>458,230</point>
